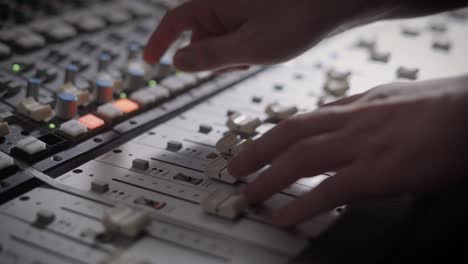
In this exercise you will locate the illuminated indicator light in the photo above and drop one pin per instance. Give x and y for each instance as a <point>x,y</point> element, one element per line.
<point>52,126</point>
<point>123,95</point>
<point>152,83</point>
<point>16,67</point>
<point>91,121</point>
<point>126,106</point>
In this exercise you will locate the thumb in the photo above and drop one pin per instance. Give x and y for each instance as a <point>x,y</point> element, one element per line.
<point>211,54</point>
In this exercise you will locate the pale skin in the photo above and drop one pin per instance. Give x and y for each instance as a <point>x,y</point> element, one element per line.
<point>397,138</point>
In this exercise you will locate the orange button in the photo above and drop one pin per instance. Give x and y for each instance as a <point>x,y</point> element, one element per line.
<point>91,121</point>
<point>126,106</point>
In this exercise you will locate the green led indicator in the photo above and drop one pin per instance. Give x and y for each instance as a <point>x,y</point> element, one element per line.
<point>16,67</point>
<point>152,83</point>
<point>123,95</point>
<point>52,126</point>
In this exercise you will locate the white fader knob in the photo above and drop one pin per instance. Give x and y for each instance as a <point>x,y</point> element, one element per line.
<point>223,203</point>
<point>235,149</point>
<point>337,82</point>
<point>126,221</point>
<point>280,112</point>
<point>243,124</point>
<point>34,110</point>
<point>225,144</point>
<point>217,169</point>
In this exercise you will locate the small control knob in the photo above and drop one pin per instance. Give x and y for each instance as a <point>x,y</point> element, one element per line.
<point>70,73</point>
<point>103,61</point>
<point>104,91</point>
<point>44,217</point>
<point>133,51</point>
<point>32,89</point>
<point>135,78</point>
<point>67,105</point>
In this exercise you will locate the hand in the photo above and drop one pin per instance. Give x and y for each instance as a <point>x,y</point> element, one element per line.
<point>233,34</point>
<point>394,139</point>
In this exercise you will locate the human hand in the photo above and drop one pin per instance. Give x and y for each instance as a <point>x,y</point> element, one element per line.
<point>232,34</point>
<point>397,138</point>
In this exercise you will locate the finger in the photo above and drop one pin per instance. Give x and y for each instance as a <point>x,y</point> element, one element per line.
<point>346,100</point>
<point>311,156</point>
<point>172,25</point>
<point>264,149</point>
<point>230,69</point>
<point>334,191</point>
<point>211,53</point>
<point>197,35</point>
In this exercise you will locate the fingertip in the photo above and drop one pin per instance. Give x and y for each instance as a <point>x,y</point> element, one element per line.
<point>148,57</point>
<point>247,192</point>
<point>185,60</point>
<point>233,167</point>
<point>280,218</point>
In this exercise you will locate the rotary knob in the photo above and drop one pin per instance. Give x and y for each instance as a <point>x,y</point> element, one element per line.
<point>67,106</point>
<point>32,90</point>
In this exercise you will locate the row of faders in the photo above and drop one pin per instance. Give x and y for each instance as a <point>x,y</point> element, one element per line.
<point>242,129</point>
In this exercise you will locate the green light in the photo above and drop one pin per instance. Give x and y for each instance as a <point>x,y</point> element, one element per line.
<point>16,67</point>
<point>152,83</point>
<point>123,95</point>
<point>52,126</point>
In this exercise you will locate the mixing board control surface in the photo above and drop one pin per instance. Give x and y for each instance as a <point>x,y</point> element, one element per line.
<point>134,156</point>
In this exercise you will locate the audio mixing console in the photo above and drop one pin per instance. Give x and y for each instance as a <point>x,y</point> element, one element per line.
<point>105,159</point>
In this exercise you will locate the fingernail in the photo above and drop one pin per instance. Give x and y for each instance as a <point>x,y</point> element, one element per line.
<point>184,60</point>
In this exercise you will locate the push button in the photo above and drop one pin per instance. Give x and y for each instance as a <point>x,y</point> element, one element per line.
<point>91,121</point>
<point>109,112</point>
<point>126,106</point>
<point>73,129</point>
<point>5,161</point>
<point>31,145</point>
